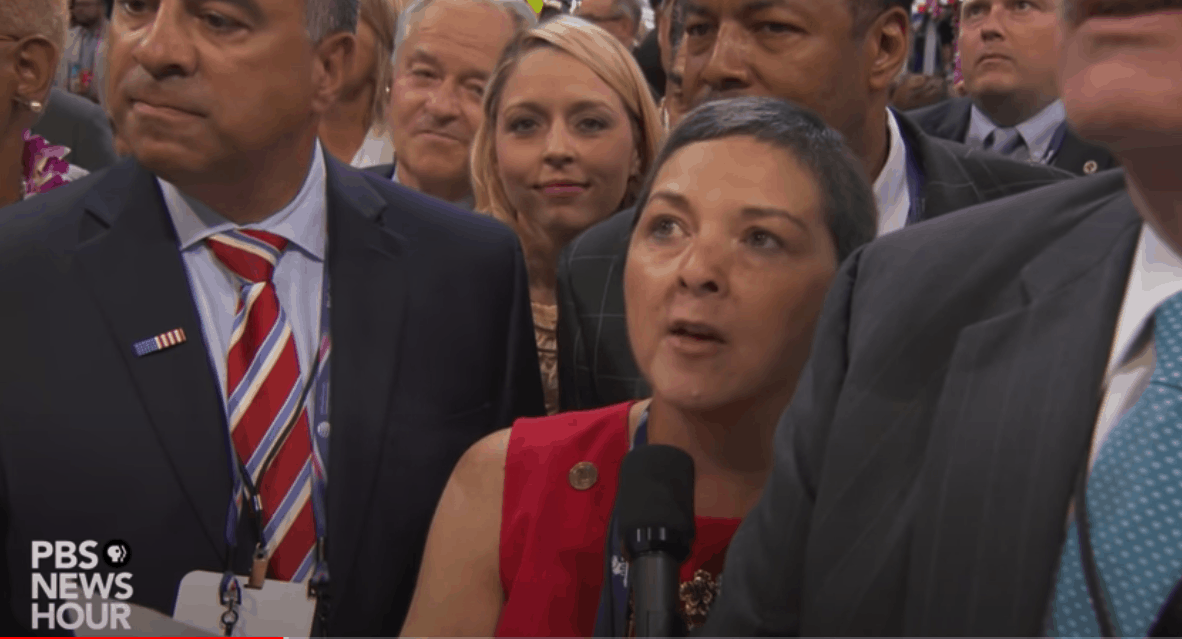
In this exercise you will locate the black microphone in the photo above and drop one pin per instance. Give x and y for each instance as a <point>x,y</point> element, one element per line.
<point>656,518</point>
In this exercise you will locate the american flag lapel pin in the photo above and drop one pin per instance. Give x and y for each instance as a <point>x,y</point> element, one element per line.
<point>160,342</point>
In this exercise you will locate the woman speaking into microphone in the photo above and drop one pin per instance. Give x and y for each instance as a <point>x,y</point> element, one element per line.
<point>744,218</point>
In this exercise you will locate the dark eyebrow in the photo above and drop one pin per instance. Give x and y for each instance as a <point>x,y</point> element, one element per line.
<point>676,199</point>
<point>250,7</point>
<point>679,201</point>
<point>693,8</point>
<point>759,212</point>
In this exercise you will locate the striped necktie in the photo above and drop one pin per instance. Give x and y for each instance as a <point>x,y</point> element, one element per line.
<point>1007,142</point>
<point>263,384</point>
<point>1134,503</point>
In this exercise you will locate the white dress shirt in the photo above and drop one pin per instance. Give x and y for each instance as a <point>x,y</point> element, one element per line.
<point>890,187</point>
<point>298,275</point>
<point>1155,276</point>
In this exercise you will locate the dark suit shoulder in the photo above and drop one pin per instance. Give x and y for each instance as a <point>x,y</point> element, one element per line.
<point>947,120</point>
<point>1002,233</point>
<point>603,240</point>
<point>930,117</point>
<point>77,107</point>
<point>50,220</point>
<point>386,171</point>
<point>959,176</point>
<point>1003,170</point>
<point>421,218</point>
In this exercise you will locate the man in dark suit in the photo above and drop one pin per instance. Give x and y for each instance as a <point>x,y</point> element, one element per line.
<point>918,177</point>
<point>1008,53</point>
<point>75,122</point>
<point>951,120</point>
<point>203,272</point>
<point>932,471</point>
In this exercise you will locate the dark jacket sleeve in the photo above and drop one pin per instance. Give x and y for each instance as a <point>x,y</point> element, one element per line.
<point>761,592</point>
<point>521,395</point>
<point>9,627</point>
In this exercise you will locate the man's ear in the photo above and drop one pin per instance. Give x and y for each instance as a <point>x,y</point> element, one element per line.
<point>35,65</point>
<point>334,58</point>
<point>888,42</point>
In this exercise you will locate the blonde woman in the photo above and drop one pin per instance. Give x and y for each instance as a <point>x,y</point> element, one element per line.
<point>355,129</point>
<point>569,130</point>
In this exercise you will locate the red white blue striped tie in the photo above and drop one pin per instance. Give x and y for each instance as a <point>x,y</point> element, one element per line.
<point>263,384</point>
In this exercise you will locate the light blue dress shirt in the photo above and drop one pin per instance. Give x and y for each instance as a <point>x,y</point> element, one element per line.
<point>1037,132</point>
<point>298,276</point>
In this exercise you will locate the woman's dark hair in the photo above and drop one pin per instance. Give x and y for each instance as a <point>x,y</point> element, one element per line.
<point>846,197</point>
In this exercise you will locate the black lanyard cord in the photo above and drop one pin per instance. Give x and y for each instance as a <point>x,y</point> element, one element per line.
<point>252,492</point>
<point>1097,593</point>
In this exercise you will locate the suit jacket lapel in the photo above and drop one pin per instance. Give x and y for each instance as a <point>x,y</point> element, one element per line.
<point>368,285</point>
<point>130,260</point>
<point>946,184</point>
<point>1075,154</point>
<point>1013,424</point>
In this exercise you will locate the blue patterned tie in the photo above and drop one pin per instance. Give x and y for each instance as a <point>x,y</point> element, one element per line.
<point>1134,502</point>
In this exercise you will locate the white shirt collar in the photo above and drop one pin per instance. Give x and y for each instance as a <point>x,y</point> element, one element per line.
<point>1156,275</point>
<point>890,187</point>
<point>375,150</point>
<point>303,222</point>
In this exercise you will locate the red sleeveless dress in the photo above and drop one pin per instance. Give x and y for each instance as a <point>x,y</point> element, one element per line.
<point>554,526</point>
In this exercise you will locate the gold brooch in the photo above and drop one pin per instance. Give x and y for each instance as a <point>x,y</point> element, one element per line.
<point>697,595</point>
<point>583,475</point>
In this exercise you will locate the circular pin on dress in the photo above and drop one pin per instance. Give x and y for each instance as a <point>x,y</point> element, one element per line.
<point>1090,167</point>
<point>583,475</point>
<point>322,429</point>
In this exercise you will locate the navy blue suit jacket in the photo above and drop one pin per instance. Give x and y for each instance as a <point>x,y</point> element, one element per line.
<point>433,348</point>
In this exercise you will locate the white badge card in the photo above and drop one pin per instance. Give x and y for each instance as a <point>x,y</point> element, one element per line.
<point>278,609</point>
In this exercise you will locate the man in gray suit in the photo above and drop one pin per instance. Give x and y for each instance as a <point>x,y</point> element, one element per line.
<point>75,122</point>
<point>932,475</point>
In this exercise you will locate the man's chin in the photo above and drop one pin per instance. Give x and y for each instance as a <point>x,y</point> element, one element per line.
<point>171,160</point>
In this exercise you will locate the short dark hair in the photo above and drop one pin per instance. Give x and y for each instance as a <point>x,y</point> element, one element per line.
<point>848,202</point>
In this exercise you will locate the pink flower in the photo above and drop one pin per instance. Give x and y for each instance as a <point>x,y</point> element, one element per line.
<point>44,168</point>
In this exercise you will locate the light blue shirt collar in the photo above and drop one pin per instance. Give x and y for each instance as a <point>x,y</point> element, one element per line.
<point>303,222</point>
<point>1037,131</point>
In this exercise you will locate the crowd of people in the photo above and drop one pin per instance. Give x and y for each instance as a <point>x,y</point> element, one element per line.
<point>375,296</point>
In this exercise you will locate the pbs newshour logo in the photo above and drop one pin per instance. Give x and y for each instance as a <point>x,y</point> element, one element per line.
<point>68,591</point>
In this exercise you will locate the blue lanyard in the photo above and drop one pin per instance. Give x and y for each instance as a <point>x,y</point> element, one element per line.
<point>915,182</point>
<point>611,620</point>
<point>229,591</point>
<point>1056,142</point>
